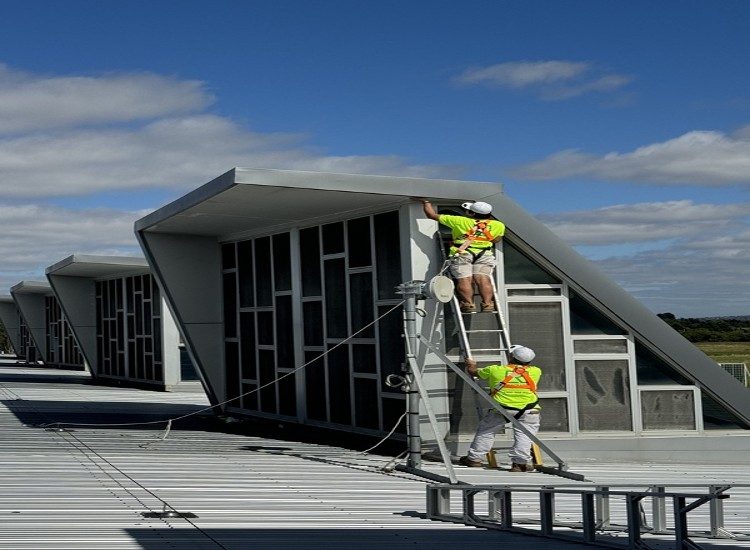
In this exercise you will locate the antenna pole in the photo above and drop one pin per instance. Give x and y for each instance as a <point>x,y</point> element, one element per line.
<point>410,290</point>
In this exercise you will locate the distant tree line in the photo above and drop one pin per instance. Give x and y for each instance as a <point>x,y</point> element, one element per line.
<point>710,329</point>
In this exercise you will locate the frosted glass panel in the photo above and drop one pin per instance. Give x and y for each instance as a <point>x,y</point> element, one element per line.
<point>668,410</point>
<point>603,396</point>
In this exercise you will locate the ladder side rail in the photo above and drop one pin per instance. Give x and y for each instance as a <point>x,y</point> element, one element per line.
<point>484,395</point>
<point>463,337</point>
<point>463,342</point>
<point>504,332</point>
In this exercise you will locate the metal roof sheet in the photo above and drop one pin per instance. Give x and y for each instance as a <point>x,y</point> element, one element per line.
<point>92,483</point>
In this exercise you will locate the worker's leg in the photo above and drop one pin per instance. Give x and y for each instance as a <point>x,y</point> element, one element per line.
<point>465,290</point>
<point>482,270</point>
<point>485,436</point>
<point>484,285</point>
<point>520,453</point>
<point>462,269</point>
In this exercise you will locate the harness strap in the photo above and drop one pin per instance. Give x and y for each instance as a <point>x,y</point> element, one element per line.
<point>518,370</point>
<point>478,233</point>
<point>526,407</point>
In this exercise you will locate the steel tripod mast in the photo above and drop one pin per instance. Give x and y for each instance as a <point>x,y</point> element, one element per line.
<point>442,288</point>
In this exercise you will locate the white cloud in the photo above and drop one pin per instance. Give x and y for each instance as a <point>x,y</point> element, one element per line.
<point>175,153</point>
<point>678,256</point>
<point>698,158</point>
<point>117,134</point>
<point>550,80</point>
<point>646,222</point>
<point>689,282</point>
<point>79,135</point>
<point>30,102</point>
<point>37,236</point>
<point>67,150</point>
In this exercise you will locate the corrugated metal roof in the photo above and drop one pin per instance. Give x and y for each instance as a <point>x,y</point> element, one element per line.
<point>93,486</point>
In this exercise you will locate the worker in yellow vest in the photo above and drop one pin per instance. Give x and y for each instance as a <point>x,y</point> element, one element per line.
<point>513,386</point>
<point>472,251</point>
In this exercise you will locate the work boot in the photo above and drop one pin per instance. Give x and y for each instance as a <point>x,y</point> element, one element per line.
<point>521,468</point>
<point>489,308</point>
<point>468,307</point>
<point>466,461</point>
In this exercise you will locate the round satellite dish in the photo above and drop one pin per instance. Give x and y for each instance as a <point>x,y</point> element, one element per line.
<point>440,288</point>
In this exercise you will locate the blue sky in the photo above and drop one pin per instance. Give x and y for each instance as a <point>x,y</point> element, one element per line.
<point>623,126</point>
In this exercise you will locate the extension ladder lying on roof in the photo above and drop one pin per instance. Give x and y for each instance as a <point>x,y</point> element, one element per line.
<point>594,525</point>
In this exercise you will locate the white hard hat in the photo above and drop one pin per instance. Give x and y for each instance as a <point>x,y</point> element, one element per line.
<point>522,353</point>
<point>478,207</point>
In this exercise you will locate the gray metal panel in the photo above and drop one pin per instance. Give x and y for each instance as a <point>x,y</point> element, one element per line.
<point>77,298</point>
<point>612,298</point>
<point>9,319</point>
<point>188,270</point>
<point>30,298</point>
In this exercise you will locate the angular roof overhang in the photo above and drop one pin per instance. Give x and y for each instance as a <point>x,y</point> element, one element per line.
<point>243,201</point>
<point>99,267</point>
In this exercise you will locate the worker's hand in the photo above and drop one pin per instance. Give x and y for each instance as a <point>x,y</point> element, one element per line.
<point>471,367</point>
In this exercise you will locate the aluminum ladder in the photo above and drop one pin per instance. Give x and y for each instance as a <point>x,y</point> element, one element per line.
<point>482,336</point>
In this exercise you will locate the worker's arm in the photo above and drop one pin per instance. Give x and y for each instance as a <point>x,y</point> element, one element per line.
<point>471,367</point>
<point>430,211</point>
<point>499,237</point>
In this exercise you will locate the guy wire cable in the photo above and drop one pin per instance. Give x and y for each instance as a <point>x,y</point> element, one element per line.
<point>169,422</point>
<point>88,452</point>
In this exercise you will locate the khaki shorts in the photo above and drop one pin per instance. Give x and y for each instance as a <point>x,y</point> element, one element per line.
<point>462,266</point>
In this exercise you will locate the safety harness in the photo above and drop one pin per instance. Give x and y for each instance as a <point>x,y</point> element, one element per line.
<point>478,233</point>
<point>518,370</point>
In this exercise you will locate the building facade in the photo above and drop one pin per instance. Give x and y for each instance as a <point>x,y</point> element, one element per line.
<point>44,333</point>
<point>290,311</point>
<point>118,315</point>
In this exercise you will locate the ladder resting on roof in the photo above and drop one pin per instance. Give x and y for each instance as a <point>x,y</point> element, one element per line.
<point>593,523</point>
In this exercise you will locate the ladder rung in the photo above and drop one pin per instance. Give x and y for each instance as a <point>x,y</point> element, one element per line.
<point>494,336</point>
